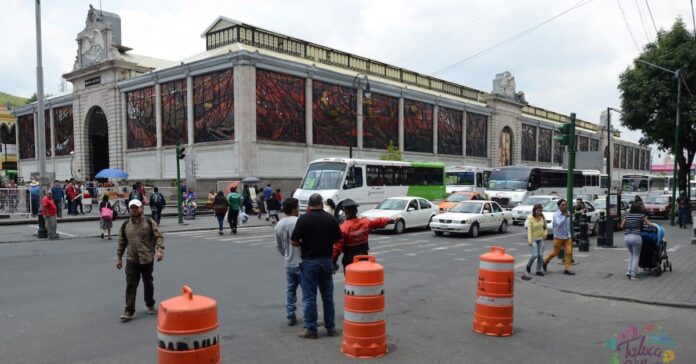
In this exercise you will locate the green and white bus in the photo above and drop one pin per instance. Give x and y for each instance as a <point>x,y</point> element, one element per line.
<point>368,182</point>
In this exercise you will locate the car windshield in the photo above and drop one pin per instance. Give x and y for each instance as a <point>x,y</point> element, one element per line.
<point>459,178</point>
<point>531,201</point>
<point>458,197</point>
<point>324,176</point>
<point>392,204</point>
<point>467,207</point>
<point>551,206</point>
<point>657,200</point>
<point>509,179</point>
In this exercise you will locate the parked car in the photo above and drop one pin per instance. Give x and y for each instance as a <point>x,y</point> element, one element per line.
<point>600,205</point>
<point>551,207</point>
<point>472,217</point>
<point>657,205</point>
<point>407,212</point>
<point>521,211</point>
<point>458,197</point>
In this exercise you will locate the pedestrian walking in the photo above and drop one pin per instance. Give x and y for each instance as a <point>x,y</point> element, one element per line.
<point>106,213</point>
<point>330,206</point>
<point>157,203</point>
<point>143,240</point>
<point>315,233</point>
<point>79,197</point>
<point>291,255</point>
<point>48,209</point>
<point>631,224</point>
<point>561,236</point>
<point>72,192</point>
<point>247,201</point>
<point>134,194</point>
<point>267,193</point>
<point>220,209</point>
<point>35,196</point>
<point>273,208</point>
<point>58,197</point>
<point>260,203</point>
<point>536,233</point>
<point>13,195</point>
<point>683,205</point>
<point>355,232</point>
<point>233,206</point>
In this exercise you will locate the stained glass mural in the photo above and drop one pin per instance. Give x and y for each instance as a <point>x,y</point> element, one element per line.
<point>629,158</point>
<point>141,125</point>
<point>545,145</point>
<point>333,114</point>
<point>646,161</point>
<point>529,143</point>
<point>476,135</point>
<point>380,121</point>
<point>449,131</point>
<point>594,145</point>
<point>558,149</point>
<point>583,144</point>
<point>213,107</point>
<point>418,126</point>
<point>63,126</point>
<point>47,131</point>
<point>624,152</point>
<point>617,151</point>
<point>280,107</point>
<point>174,129</point>
<point>27,144</point>
<point>505,147</point>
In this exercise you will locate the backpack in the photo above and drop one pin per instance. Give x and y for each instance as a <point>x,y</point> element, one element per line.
<point>149,223</point>
<point>157,199</point>
<point>135,195</point>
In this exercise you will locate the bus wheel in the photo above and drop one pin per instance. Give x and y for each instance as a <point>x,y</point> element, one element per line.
<point>399,226</point>
<point>439,233</point>
<point>474,230</point>
<point>503,227</point>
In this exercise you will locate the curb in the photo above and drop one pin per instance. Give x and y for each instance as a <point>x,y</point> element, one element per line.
<point>618,298</point>
<point>82,219</point>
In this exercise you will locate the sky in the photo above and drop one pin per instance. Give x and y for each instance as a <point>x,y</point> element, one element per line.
<point>570,64</point>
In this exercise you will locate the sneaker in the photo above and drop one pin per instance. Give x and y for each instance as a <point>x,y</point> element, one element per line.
<point>540,274</point>
<point>234,231</point>
<point>636,278</point>
<point>331,332</point>
<point>102,236</point>
<point>126,316</point>
<point>568,273</point>
<point>151,310</point>
<point>220,232</point>
<point>545,265</point>
<point>628,275</point>
<point>292,321</point>
<point>529,269</point>
<point>306,334</point>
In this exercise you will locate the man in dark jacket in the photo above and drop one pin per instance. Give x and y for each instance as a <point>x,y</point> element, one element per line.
<point>157,204</point>
<point>58,197</point>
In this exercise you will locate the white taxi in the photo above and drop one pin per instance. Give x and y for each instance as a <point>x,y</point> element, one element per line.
<point>471,217</point>
<point>521,211</point>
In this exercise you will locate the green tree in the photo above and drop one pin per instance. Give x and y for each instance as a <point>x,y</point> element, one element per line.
<point>33,98</point>
<point>649,95</point>
<point>392,153</point>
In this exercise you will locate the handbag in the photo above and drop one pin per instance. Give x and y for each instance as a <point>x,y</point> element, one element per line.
<point>106,213</point>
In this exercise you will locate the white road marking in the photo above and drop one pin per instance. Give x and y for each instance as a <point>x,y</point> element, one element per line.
<point>674,248</point>
<point>500,237</point>
<point>36,227</point>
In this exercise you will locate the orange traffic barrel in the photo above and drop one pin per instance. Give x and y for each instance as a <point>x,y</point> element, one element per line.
<point>494,293</point>
<point>187,330</point>
<point>364,324</point>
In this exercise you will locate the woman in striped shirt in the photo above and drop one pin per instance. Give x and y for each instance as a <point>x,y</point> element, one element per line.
<point>632,224</point>
<point>536,233</point>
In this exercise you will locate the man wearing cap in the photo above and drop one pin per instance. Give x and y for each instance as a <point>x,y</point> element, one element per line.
<point>49,211</point>
<point>355,231</point>
<point>144,241</point>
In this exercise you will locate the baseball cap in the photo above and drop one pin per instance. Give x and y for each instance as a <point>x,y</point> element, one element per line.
<point>135,202</point>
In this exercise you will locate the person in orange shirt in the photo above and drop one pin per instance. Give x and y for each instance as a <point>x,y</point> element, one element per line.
<point>355,231</point>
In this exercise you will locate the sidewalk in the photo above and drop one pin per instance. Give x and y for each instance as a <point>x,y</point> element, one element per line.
<point>25,218</point>
<point>602,273</point>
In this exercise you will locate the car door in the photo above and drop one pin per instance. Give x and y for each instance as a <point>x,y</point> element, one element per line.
<point>411,213</point>
<point>591,212</point>
<point>486,216</point>
<point>498,215</point>
<point>425,212</point>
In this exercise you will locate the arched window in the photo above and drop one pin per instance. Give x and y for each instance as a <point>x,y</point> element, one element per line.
<point>505,147</point>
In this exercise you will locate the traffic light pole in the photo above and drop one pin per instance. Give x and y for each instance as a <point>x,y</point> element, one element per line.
<point>178,186</point>
<point>571,168</point>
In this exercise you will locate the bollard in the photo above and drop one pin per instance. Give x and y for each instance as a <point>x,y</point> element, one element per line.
<point>364,324</point>
<point>494,293</point>
<point>187,330</point>
<point>583,240</point>
<point>601,240</point>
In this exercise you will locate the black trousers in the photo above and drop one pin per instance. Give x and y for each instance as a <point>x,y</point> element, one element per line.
<point>134,271</point>
<point>156,215</point>
<point>232,218</point>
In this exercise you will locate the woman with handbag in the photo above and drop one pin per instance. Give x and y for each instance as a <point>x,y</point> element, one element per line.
<point>220,209</point>
<point>106,212</point>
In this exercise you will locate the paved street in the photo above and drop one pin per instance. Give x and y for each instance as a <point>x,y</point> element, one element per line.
<point>61,301</point>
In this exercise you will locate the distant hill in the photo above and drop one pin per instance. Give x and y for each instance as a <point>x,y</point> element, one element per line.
<point>11,100</point>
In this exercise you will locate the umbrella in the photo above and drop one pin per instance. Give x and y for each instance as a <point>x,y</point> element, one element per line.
<point>111,173</point>
<point>251,180</point>
<point>230,187</point>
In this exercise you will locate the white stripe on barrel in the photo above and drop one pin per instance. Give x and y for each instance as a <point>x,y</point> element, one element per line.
<point>352,290</point>
<point>494,301</point>
<point>497,266</point>
<point>188,342</point>
<point>363,318</point>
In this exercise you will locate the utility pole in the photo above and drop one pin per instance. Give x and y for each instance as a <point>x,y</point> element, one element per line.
<point>40,129</point>
<point>179,201</point>
<point>609,225</point>
<point>677,150</point>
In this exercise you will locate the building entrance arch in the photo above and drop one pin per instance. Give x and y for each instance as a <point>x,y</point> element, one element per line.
<point>98,140</point>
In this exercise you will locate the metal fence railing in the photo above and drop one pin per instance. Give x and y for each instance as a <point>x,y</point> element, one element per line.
<point>18,201</point>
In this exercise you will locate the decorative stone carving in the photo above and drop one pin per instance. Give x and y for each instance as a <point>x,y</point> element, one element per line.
<point>504,85</point>
<point>100,39</point>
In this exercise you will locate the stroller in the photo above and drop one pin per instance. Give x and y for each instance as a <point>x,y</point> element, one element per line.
<point>653,253</point>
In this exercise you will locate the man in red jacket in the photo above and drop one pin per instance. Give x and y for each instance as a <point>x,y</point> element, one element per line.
<point>71,191</point>
<point>355,233</point>
<point>49,211</point>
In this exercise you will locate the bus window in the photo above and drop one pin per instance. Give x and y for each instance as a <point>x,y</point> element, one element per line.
<point>354,178</point>
<point>392,176</point>
<point>374,176</point>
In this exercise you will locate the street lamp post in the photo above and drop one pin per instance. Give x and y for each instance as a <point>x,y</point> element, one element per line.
<point>358,85</point>
<point>609,227</point>
<point>677,76</point>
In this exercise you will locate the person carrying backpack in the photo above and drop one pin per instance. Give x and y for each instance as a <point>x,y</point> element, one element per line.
<point>144,243</point>
<point>157,204</point>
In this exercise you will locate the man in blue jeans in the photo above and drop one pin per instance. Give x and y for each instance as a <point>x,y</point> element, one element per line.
<point>291,254</point>
<point>315,233</point>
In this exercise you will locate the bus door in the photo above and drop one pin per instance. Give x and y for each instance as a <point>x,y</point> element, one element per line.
<point>354,186</point>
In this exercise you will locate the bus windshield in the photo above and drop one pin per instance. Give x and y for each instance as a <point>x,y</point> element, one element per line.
<point>460,178</point>
<point>467,207</point>
<point>509,179</point>
<point>634,184</point>
<point>324,176</point>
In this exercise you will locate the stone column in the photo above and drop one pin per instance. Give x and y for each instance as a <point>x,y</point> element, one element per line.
<point>245,117</point>
<point>359,119</point>
<point>309,127</point>
<point>436,112</point>
<point>401,124</point>
<point>158,126</point>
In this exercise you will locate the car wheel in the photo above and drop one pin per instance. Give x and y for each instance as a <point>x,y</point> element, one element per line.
<point>399,226</point>
<point>474,230</point>
<point>427,227</point>
<point>593,232</point>
<point>439,233</point>
<point>503,226</point>
<point>515,223</point>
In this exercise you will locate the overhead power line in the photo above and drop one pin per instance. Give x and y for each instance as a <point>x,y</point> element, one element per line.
<point>510,39</point>
<point>651,16</point>
<point>642,22</point>
<point>693,17</point>
<point>628,26</point>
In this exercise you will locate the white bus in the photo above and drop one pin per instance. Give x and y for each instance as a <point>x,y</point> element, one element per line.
<point>368,182</point>
<point>509,186</point>
<point>642,183</point>
<point>468,179</point>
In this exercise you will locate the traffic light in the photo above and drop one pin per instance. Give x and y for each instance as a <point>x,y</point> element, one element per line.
<point>180,152</point>
<point>567,134</point>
